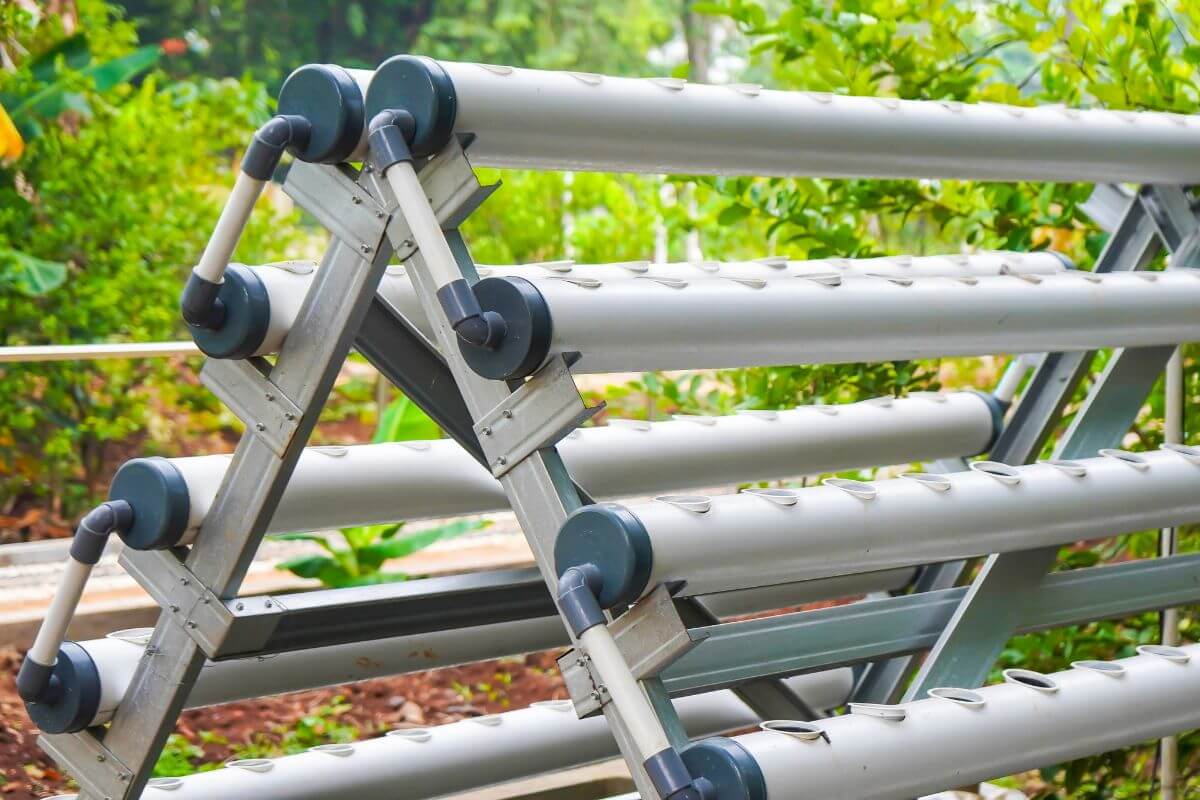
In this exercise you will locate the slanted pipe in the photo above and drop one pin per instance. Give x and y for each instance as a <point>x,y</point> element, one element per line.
<point>370,484</point>
<point>263,302</point>
<point>961,737</point>
<point>523,118</point>
<point>760,537</point>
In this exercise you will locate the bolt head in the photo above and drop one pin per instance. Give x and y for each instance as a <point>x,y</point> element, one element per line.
<point>486,431</point>
<point>366,248</point>
<point>259,426</point>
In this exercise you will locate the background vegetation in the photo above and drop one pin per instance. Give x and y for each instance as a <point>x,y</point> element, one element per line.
<point>131,133</point>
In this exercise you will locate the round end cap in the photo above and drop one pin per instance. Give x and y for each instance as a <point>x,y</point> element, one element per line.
<point>247,316</point>
<point>76,705</point>
<point>612,538</point>
<point>159,496</point>
<point>729,766</point>
<point>997,407</point>
<point>331,101</point>
<point>527,334</point>
<point>420,86</point>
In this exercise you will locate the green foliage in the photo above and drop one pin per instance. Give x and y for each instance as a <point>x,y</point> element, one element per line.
<point>404,421</point>
<point>179,757</point>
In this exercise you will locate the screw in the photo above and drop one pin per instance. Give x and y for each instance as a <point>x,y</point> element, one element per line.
<point>240,606</point>
<point>501,461</point>
<point>270,397</point>
<point>123,777</point>
<point>366,248</point>
<point>486,431</point>
<point>174,609</point>
<point>267,604</point>
<point>204,600</point>
<point>379,215</point>
<point>100,757</point>
<point>191,625</point>
<point>407,243</point>
<point>356,200</point>
<point>289,416</point>
<point>507,414</point>
<point>259,426</point>
<point>183,581</point>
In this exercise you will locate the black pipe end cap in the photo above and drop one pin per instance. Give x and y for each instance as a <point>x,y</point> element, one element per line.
<point>74,705</point>
<point>728,766</point>
<point>998,409</point>
<point>328,97</point>
<point>159,496</point>
<point>420,86</point>
<point>247,316</point>
<point>527,330</point>
<point>612,538</point>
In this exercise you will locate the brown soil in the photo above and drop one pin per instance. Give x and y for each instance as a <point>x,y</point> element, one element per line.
<point>424,698</point>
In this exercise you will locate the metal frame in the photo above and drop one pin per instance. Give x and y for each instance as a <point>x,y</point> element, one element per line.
<point>512,429</point>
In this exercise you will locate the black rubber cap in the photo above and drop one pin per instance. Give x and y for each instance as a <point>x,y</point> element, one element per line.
<point>247,316</point>
<point>729,766</point>
<point>612,538</point>
<point>331,101</point>
<point>76,704</point>
<point>418,85</point>
<point>528,330</point>
<point>159,496</point>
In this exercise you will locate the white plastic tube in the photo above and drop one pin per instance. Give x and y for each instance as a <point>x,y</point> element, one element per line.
<point>759,538</point>
<point>287,282</point>
<point>58,616</point>
<point>995,731</point>
<point>229,227</point>
<point>710,324</point>
<point>368,484</point>
<point>572,121</point>
<point>415,764</point>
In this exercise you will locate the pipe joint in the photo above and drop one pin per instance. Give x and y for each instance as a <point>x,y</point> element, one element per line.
<point>278,134</point>
<point>390,137</point>
<point>672,781</point>
<point>36,683</point>
<point>201,305</point>
<point>473,325</point>
<point>114,516</point>
<point>578,588</point>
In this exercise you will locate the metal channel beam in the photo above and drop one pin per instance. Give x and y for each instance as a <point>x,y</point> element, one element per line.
<point>739,652</point>
<point>976,633</point>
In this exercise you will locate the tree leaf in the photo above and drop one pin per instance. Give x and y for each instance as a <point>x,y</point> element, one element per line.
<point>29,275</point>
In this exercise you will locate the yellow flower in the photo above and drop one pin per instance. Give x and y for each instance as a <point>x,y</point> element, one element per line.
<point>11,143</point>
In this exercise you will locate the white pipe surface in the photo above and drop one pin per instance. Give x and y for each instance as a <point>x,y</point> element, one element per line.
<point>710,324</point>
<point>524,118</point>
<point>369,484</point>
<point>229,227</point>
<point>749,539</point>
<point>117,655</point>
<point>415,764</point>
<point>426,231</point>
<point>287,282</point>
<point>54,626</point>
<point>941,744</point>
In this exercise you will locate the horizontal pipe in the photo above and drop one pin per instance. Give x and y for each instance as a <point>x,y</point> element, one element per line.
<point>95,352</point>
<point>368,484</point>
<point>757,538</point>
<point>413,764</point>
<point>101,670</point>
<point>998,730</point>
<point>525,118</point>
<point>282,286</point>
<point>711,324</point>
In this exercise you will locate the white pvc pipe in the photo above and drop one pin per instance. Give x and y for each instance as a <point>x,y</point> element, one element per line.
<point>631,704</point>
<point>942,743</point>
<point>369,484</point>
<point>229,227</point>
<point>288,282</point>
<point>53,631</point>
<point>117,655</point>
<point>415,764</point>
<point>710,324</point>
<point>422,221</point>
<point>525,118</point>
<point>756,539</point>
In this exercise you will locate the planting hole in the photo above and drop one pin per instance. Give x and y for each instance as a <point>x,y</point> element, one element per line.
<point>964,697</point>
<point>1031,680</point>
<point>1001,472</point>
<point>1173,654</point>
<point>804,731</point>
<point>1110,668</point>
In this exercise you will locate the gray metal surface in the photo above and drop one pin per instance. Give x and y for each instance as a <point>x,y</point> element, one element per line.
<point>845,635</point>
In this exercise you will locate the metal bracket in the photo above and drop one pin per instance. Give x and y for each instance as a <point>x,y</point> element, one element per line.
<point>542,411</point>
<point>98,772</point>
<point>249,393</point>
<point>651,636</point>
<point>362,224</point>
<point>453,190</point>
<point>216,625</point>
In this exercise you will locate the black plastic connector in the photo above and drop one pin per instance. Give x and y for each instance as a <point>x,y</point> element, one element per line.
<point>389,136</point>
<point>472,324</point>
<point>95,528</point>
<point>200,305</point>
<point>672,780</point>
<point>998,408</point>
<point>36,682</point>
<point>578,588</point>
<point>271,140</point>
